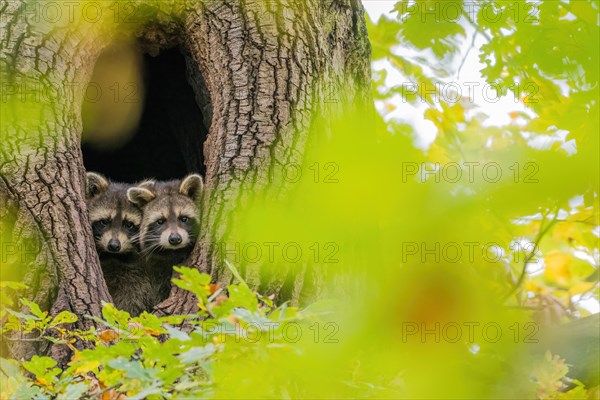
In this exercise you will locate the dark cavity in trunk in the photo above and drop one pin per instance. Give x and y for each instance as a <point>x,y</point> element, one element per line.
<point>168,141</point>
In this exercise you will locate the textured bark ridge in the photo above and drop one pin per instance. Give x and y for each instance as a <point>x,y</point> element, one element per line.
<point>265,74</point>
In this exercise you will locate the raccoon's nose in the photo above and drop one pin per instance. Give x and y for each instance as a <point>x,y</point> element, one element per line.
<point>114,245</point>
<point>175,239</point>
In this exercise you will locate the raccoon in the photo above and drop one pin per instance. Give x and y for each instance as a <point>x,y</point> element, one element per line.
<point>115,226</point>
<point>169,226</point>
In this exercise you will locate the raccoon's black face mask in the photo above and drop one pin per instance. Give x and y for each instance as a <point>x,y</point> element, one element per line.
<point>116,235</point>
<point>173,231</point>
<point>115,221</point>
<point>170,214</point>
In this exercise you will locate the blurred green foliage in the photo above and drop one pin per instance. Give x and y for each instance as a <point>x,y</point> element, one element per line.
<point>444,267</point>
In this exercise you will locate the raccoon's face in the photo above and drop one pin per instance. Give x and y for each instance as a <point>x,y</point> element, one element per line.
<point>170,214</point>
<point>115,221</point>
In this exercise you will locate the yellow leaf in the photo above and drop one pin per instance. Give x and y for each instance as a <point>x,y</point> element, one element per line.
<point>153,332</point>
<point>534,287</point>
<point>584,215</point>
<point>436,117</point>
<point>213,287</point>
<point>108,335</point>
<point>584,11</point>
<point>557,268</point>
<point>567,231</point>
<point>112,395</point>
<point>42,381</point>
<point>86,367</point>
<point>76,356</point>
<point>220,338</point>
<point>581,287</point>
<point>437,154</point>
<point>534,226</point>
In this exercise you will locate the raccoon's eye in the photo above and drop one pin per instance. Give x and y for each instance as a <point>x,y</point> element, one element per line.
<point>128,224</point>
<point>104,222</point>
<point>160,221</point>
<point>183,218</point>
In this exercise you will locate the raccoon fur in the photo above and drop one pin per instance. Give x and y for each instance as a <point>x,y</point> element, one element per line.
<point>115,225</point>
<point>169,226</point>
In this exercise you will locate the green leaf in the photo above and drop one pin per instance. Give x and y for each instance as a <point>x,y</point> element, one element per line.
<point>40,366</point>
<point>26,317</point>
<point>196,354</point>
<point>133,369</point>
<point>64,317</point>
<point>117,318</point>
<point>235,273</point>
<point>34,309</point>
<point>10,368</point>
<point>74,391</point>
<point>192,280</point>
<point>239,296</point>
<point>55,340</point>
<point>12,285</point>
<point>28,391</point>
<point>177,334</point>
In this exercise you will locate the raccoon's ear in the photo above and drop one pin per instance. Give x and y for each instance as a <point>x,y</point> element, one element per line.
<point>95,184</point>
<point>140,196</point>
<point>147,184</point>
<point>191,186</point>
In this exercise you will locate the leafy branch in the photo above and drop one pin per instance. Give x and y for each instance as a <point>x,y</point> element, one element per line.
<point>541,233</point>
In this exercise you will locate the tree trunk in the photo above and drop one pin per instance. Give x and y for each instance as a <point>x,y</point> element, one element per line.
<point>273,71</point>
<point>265,75</point>
<point>43,69</point>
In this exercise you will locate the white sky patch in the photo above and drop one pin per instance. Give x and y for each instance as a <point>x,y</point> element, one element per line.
<point>377,8</point>
<point>522,248</point>
<point>576,201</point>
<point>588,303</point>
<point>585,255</point>
<point>474,348</point>
<point>404,111</point>
<point>525,220</point>
<point>469,84</point>
<point>484,95</point>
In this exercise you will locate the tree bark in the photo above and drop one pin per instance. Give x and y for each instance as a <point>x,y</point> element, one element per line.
<point>265,74</point>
